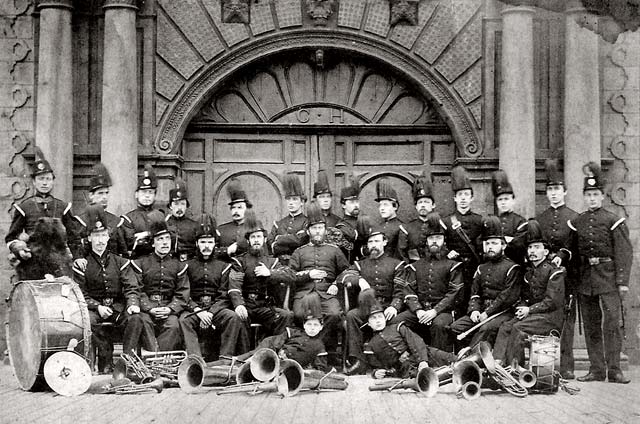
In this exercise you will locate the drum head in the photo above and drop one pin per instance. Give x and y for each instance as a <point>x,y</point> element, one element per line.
<point>24,335</point>
<point>67,373</point>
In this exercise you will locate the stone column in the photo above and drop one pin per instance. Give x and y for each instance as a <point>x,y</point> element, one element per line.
<point>581,103</point>
<point>54,108</point>
<point>119,149</point>
<point>517,106</point>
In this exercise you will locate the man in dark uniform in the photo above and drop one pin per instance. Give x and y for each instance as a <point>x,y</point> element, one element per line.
<point>109,286</point>
<point>231,235</point>
<point>99,185</point>
<point>396,351</point>
<point>411,243</point>
<point>554,222</point>
<point>41,204</point>
<point>541,307</point>
<point>164,286</point>
<point>317,264</point>
<point>134,226</point>
<point>182,228</point>
<point>389,222</point>
<point>255,282</point>
<point>291,231</point>
<point>350,201</point>
<point>514,226</point>
<point>207,280</point>
<point>338,232</point>
<point>495,289</point>
<point>431,286</point>
<point>382,273</point>
<point>606,254</point>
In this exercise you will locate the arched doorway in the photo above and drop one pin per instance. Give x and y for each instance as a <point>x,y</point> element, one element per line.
<point>314,109</point>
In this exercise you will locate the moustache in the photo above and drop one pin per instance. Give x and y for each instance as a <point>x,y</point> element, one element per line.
<point>235,215</point>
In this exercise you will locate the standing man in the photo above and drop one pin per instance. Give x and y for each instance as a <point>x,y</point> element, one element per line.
<point>110,288</point>
<point>164,287</point>
<point>554,222</point>
<point>463,235</point>
<point>514,226</point>
<point>134,226</point>
<point>606,255</point>
<point>431,287</point>
<point>231,235</point>
<point>182,228</point>
<point>256,282</point>
<point>495,289</point>
<point>389,223</point>
<point>412,242</point>
<point>541,307</point>
<point>99,185</point>
<point>207,279</point>
<point>383,274</point>
<point>350,202</point>
<point>41,204</point>
<point>317,264</point>
<point>338,232</point>
<point>291,231</point>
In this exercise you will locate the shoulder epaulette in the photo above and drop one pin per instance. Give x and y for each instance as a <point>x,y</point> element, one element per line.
<point>409,266</point>
<point>521,226</point>
<point>288,332</point>
<point>400,265</point>
<point>124,265</point>
<point>126,218</point>
<point>275,263</point>
<point>77,270</point>
<point>135,266</point>
<point>237,262</point>
<point>357,264</point>
<point>275,224</point>
<point>19,209</point>
<point>559,271</point>
<point>570,225</point>
<point>166,218</point>
<point>512,268</point>
<point>400,324</point>
<point>67,209</point>
<point>181,273</point>
<point>618,222</point>
<point>455,265</point>
<point>226,268</point>
<point>84,224</point>
<point>406,233</point>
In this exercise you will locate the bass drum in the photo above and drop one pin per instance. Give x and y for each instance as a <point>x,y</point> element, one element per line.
<point>44,317</point>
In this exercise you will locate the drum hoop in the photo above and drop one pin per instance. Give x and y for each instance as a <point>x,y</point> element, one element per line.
<point>86,321</point>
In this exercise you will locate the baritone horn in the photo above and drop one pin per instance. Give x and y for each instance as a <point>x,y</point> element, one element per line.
<point>164,363</point>
<point>426,382</point>
<point>264,365</point>
<point>194,373</point>
<point>526,378</point>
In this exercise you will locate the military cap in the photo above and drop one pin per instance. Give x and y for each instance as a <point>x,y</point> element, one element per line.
<point>422,187</point>
<point>367,302</point>
<point>236,193</point>
<point>207,227</point>
<point>252,224</point>
<point>435,226</point>
<point>100,177</point>
<point>148,178</point>
<point>384,191</point>
<point>459,179</point>
<point>96,219</point>
<point>593,179</point>
<point>292,186</point>
<point>157,223</point>
<point>321,186</point>
<point>41,164</point>
<point>351,190</point>
<point>534,233</point>
<point>314,214</point>
<point>492,228</point>
<point>500,183</point>
<point>552,175</point>
<point>178,192</point>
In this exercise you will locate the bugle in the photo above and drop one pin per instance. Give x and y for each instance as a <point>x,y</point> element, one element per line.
<point>194,373</point>
<point>425,382</point>
<point>478,325</point>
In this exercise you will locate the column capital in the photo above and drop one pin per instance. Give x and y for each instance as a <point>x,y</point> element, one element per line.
<point>120,4</point>
<point>521,7</point>
<point>55,4</point>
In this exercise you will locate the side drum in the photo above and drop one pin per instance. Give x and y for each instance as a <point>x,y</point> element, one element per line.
<point>44,317</point>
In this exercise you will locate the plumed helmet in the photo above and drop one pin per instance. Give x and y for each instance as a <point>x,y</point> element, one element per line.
<point>492,228</point>
<point>96,219</point>
<point>310,307</point>
<point>292,186</point>
<point>552,174</point>
<point>368,304</point>
<point>157,223</point>
<point>500,183</point>
<point>593,179</point>
<point>384,191</point>
<point>178,192</point>
<point>41,164</point>
<point>321,186</point>
<point>100,177</point>
<point>422,187</point>
<point>534,233</point>
<point>351,190</point>
<point>252,224</point>
<point>207,227</point>
<point>237,194</point>
<point>435,226</point>
<point>459,179</point>
<point>314,214</point>
<point>148,178</point>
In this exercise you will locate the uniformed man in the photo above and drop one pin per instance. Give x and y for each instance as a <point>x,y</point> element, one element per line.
<point>431,286</point>
<point>256,281</point>
<point>164,286</point>
<point>389,222</point>
<point>338,232</point>
<point>463,235</point>
<point>541,306</point>
<point>412,242</point>
<point>350,202</point>
<point>41,204</point>
<point>134,226</point>
<point>554,222</point>
<point>495,289</point>
<point>514,226</point>
<point>99,186</point>
<point>203,314</point>
<point>317,264</point>
<point>606,254</point>
<point>231,240</point>
<point>291,231</point>
<point>382,273</point>
<point>182,228</point>
<point>109,287</point>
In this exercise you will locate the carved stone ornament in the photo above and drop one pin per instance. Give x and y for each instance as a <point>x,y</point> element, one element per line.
<point>404,12</point>
<point>235,11</point>
<point>320,10</point>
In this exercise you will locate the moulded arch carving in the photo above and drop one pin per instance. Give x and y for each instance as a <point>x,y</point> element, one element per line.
<point>193,97</point>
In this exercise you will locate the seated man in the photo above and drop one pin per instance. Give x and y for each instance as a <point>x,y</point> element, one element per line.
<point>542,301</point>
<point>109,287</point>
<point>207,279</point>
<point>382,273</point>
<point>164,288</point>
<point>395,350</point>
<point>255,282</point>
<point>431,287</point>
<point>495,289</point>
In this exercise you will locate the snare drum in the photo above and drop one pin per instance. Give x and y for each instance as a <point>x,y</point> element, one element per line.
<point>44,316</point>
<point>544,360</point>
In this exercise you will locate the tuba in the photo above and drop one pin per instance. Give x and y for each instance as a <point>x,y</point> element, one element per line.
<point>264,365</point>
<point>289,381</point>
<point>425,382</point>
<point>194,373</point>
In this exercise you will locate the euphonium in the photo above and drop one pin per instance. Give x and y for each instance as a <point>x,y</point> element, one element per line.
<point>164,364</point>
<point>464,372</point>
<point>194,374</point>
<point>482,356</point>
<point>507,382</point>
<point>425,382</point>
<point>262,366</point>
<point>526,378</point>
